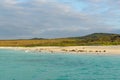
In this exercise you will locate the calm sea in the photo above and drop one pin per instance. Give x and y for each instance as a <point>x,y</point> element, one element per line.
<point>18,65</point>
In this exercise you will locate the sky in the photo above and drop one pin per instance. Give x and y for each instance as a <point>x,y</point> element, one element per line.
<point>22,19</point>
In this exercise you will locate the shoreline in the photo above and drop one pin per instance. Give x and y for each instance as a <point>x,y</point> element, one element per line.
<point>71,49</point>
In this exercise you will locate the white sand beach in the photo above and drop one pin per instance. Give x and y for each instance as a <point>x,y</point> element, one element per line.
<point>71,49</point>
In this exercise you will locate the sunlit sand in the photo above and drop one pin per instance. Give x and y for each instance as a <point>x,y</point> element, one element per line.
<point>71,49</point>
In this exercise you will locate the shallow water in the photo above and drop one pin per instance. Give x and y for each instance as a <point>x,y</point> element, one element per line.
<point>18,65</point>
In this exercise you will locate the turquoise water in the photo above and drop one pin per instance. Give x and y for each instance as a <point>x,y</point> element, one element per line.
<point>18,65</point>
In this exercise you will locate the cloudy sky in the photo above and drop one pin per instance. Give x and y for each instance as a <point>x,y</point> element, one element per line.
<point>57,18</point>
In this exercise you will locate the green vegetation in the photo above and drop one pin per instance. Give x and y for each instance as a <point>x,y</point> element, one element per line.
<point>92,39</point>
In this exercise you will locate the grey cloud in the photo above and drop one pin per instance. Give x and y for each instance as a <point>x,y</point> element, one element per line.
<point>41,18</point>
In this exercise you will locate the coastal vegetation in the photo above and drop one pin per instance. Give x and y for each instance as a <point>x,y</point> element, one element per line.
<point>92,39</point>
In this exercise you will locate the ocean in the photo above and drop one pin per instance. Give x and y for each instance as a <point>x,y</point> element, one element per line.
<point>21,65</point>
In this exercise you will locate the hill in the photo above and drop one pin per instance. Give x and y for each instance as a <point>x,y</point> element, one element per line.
<point>100,37</point>
<point>91,39</point>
